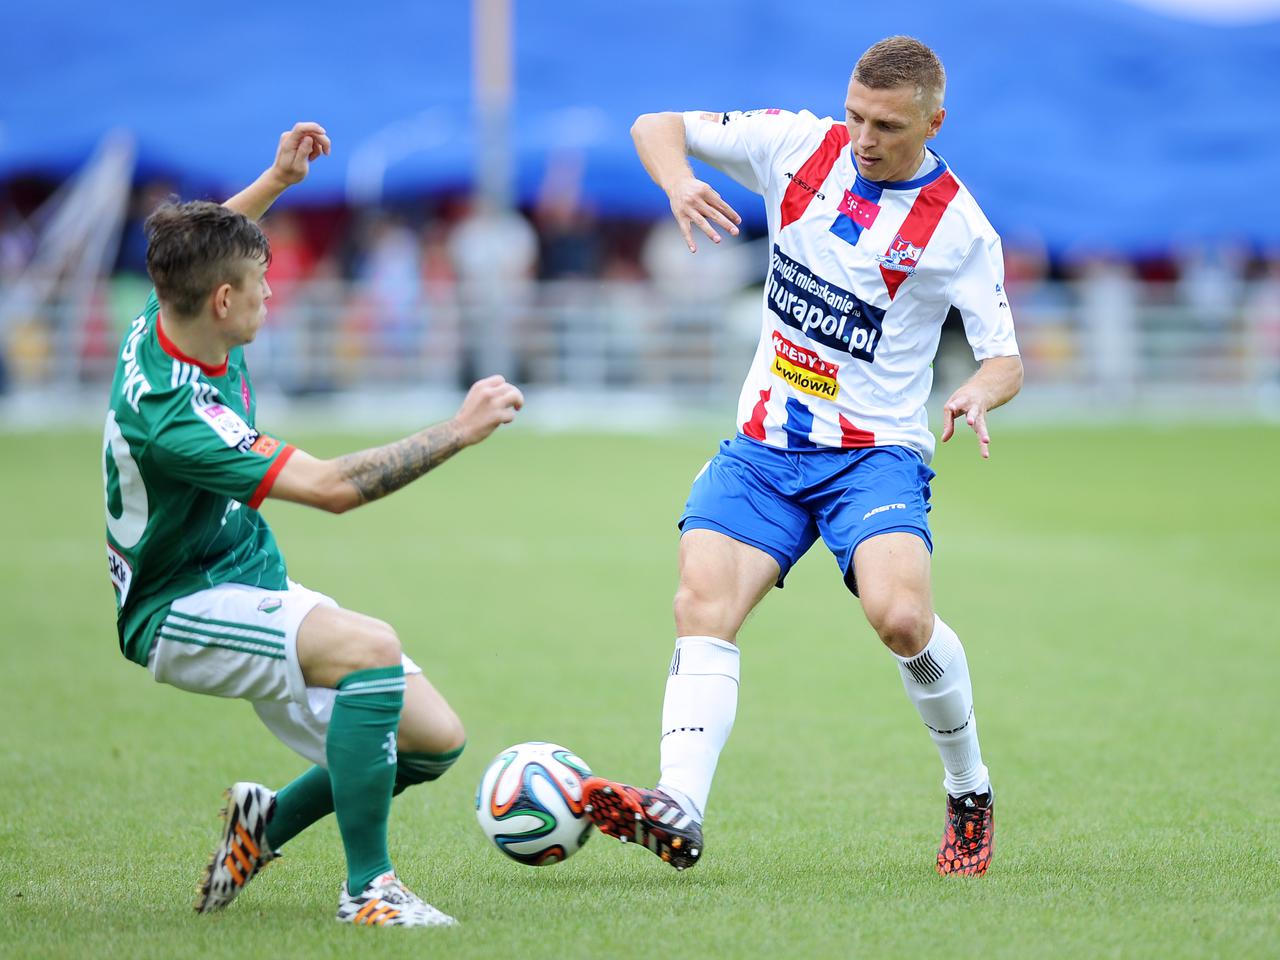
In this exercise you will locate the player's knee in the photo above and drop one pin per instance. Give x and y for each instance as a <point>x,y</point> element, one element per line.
<point>438,730</point>
<point>455,734</point>
<point>378,645</point>
<point>904,626</point>
<point>699,612</point>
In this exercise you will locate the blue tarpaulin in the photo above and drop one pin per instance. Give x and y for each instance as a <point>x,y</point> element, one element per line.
<point>1091,123</point>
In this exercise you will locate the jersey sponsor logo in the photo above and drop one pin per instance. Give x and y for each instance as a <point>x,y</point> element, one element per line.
<point>804,185</point>
<point>730,115</point>
<point>265,446</point>
<point>860,210</point>
<point>823,312</point>
<point>135,383</point>
<point>121,573</point>
<point>804,369</point>
<point>227,424</point>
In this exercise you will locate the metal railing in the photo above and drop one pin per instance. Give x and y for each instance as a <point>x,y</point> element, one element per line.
<point>1110,347</point>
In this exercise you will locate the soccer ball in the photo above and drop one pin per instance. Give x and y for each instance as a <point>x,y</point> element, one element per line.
<point>530,803</point>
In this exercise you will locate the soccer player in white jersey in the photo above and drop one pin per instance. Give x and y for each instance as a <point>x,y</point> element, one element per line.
<point>203,598</point>
<point>873,242</point>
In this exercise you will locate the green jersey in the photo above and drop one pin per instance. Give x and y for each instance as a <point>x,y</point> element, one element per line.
<point>184,471</point>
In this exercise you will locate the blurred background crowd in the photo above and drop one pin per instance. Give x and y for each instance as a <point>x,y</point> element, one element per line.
<point>483,210</point>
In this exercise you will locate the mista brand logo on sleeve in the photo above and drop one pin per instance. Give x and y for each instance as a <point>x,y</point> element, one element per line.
<point>805,185</point>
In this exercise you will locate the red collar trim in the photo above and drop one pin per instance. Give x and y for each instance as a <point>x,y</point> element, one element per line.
<point>169,347</point>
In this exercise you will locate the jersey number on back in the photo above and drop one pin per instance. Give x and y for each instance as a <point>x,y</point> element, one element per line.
<point>122,484</point>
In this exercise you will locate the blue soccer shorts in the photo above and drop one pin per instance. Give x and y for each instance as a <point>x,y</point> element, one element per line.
<point>781,502</point>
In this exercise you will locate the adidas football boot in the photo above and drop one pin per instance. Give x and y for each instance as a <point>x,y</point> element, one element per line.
<point>649,818</point>
<point>968,835</point>
<point>243,850</point>
<point>386,902</point>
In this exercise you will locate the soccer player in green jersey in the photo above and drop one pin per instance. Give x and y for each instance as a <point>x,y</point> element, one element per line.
<point>203,598</point>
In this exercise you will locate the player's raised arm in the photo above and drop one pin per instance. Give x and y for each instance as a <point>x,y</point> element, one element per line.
<point>660,143</point>
<point>343,483</point>
<point>297,149</point>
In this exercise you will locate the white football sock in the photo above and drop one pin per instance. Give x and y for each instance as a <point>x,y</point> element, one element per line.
<point>697,715</point>
<point>937,682</point>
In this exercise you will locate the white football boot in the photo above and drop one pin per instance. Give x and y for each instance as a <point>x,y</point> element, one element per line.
<point>243,850</point>
<point>386,902</point>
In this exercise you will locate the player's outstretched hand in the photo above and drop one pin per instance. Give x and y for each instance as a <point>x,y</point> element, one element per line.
<point>489,403</point>
<point>696,204</point>
<point>306,142</point>
<point>970,403</point>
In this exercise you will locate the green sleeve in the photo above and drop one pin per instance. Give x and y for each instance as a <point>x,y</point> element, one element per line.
<point>205,443</point>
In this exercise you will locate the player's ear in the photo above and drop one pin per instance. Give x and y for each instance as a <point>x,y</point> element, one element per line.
<point>935,122</point>
<point>222,300</point>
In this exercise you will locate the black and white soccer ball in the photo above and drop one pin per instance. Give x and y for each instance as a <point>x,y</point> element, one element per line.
<point>530,803</point>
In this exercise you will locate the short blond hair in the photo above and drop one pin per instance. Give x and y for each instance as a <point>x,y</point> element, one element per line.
<point>900,62</point>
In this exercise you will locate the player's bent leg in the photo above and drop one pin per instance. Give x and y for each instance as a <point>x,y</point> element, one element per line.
<point>431,737</point>
<point>234,640</point>
<point>333,643</point>
<point>893,577</point>
<point>361,658</point>
<point>429,741</point>
<point>893,571</point>
<point>721,581</point>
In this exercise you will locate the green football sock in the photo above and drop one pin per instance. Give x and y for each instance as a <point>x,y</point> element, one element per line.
<point>309,798</point>
<point>299,804</point>
<point>421,767</point>
<point>361,750</point>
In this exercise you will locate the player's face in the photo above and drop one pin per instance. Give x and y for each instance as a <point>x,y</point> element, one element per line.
<point>247,303</point>
<point>887,130</point>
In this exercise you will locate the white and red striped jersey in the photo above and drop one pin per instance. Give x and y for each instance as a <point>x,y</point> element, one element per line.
<point>861,277</point>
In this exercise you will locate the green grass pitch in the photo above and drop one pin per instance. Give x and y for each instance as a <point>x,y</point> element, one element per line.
<point>1115,588</point>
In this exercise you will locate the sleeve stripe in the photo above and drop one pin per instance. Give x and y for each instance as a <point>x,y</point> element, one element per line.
<point>268,481</point>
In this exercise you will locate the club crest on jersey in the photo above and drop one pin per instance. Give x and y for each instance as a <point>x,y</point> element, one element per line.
<point>902,256</point>
<point>823,312</point>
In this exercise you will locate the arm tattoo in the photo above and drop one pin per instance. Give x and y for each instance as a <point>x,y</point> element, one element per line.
<point>383,470</point>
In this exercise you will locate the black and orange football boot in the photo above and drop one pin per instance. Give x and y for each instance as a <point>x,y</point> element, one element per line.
<point>243,850</point>
<point>968,835</point>
<point>649,818</point>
